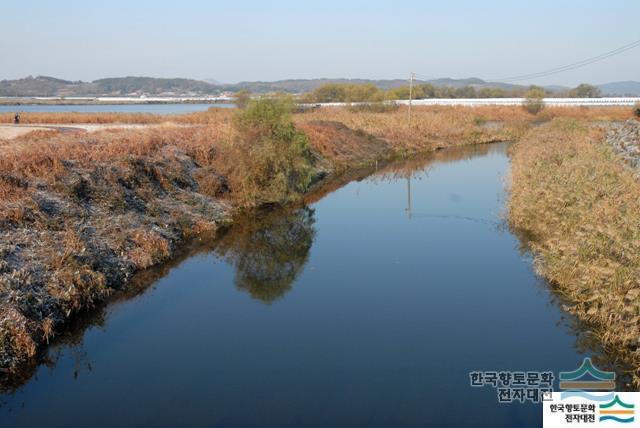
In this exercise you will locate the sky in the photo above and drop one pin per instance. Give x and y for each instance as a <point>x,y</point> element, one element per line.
<point>241,40</point>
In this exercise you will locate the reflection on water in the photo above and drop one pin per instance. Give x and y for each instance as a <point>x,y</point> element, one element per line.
<point>368,306</point>
<point>268,249</point>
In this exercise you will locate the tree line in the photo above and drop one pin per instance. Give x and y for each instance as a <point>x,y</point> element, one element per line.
<point>340,93</point>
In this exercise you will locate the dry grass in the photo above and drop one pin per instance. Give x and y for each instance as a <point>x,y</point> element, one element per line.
<point>580,207</point>
<point>431,127</point>
<point>43,154</point>
<point>343,147</point>
<point>436,126</point>
<point>150,248</point>
<point>215,115</point>
<point>80,213</point>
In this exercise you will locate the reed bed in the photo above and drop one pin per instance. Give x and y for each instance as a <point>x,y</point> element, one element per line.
<point>579,207</point>
<point>215,114</point>
<point>439,126</point>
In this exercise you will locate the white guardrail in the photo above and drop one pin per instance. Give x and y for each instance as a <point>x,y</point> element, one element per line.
<point>604,101</point>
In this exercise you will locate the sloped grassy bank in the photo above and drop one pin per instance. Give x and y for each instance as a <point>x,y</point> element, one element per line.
<point>579,205</point>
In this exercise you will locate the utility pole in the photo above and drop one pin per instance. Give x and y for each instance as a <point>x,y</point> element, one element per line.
<point>411,76</point>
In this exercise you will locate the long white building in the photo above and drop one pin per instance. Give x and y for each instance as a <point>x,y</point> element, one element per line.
<point>605,101</point>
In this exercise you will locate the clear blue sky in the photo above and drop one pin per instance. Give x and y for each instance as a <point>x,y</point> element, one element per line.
<point>268,40</point>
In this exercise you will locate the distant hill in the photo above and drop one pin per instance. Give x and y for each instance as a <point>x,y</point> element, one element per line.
<point>152,85</point>
<point>307,85</point>
<point>461,83</point>
<point>38,86</point>
<point>212,81</point>
<point>117,86</point>
<point>120,86</point>
<point>628,88</point>
<point>134,85</point>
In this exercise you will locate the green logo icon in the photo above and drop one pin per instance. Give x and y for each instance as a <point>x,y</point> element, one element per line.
<point>597,380</point>
<point>618,411</point>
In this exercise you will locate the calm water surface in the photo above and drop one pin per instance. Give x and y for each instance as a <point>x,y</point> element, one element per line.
<point>358,310</point>
<point>113,108</point>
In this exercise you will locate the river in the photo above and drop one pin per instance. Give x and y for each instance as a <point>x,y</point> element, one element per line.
<point>111,108</point>
<point>368,307</point>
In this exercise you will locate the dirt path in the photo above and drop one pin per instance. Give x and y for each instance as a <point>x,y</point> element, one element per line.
<point>8,132</point>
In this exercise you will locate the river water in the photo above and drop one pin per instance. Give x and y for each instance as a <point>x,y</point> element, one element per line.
<point>112,108</point>
<point>368,307</point>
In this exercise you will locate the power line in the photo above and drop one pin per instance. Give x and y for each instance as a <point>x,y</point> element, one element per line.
<point>571,66</point>
<point>556,70</point>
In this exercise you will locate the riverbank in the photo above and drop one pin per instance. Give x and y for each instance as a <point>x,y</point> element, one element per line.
<point>577,203</point>
<point>82,213</point>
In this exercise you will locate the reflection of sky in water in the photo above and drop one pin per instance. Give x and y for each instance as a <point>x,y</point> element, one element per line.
<point>377,323</point>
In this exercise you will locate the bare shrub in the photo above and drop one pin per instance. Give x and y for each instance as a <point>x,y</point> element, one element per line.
<point>380,107</point>
<point>272,158</point>
<point>533,100</point>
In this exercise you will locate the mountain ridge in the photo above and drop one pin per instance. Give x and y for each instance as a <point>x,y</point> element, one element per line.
<point>142,85</point>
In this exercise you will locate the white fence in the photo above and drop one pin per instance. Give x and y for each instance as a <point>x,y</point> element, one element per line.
<point>605,101</point>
